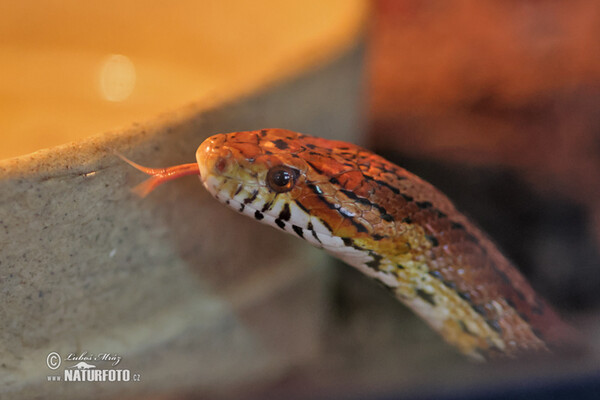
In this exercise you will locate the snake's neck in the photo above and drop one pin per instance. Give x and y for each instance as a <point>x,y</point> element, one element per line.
<point>482,320</point>
<point>443,308</point>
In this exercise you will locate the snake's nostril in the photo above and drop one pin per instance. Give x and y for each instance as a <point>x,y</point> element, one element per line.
<point>220,164</point>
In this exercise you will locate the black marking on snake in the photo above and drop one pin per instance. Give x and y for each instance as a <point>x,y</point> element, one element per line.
<point>420,204</point>
<point>334,181</point>
<point>315,188</point>
<point>400,266</point>
<point>394,189</point>
<point>466,296</point>
<point>348,242</point>
<point>472,238</point>
<point>428,297</point>
<point>539,334</point>
<point>436,274</point>
<point>384,215</point>
<point>320,196</point>
<point>510,303</point>
<point>500,273</point>
<point>407,220</point>
<point>465,328</point>
<point>299,204</point>
<point>258,215</point>
<point>407,197</point>
<point>313,166</point>
<point>492,323</point>
<point>263,132</point>
<point>377,236</point>
<point>479,309</point>
<point>280,223</point>
<point>312,230</point>
<point>266,206</point>
<point>376,258</point>
<point>457,225</point>
<point>242,206</point>
<point>424,204</point>
<point>449,284</point>
<point>387,217</point>
<point>280,144</point>
<point>539,307</point>
<point>268,152</point>
<point>359,227</point>
<point>393,170</point>
<point>520,295</point>
<point>434,242</point>
<point>285,214</point>
<point>326,225</point>
<point>375,262</point>
<point>440,214</point>
<point>351,195</point>
<point>227,201</point>
<point>523,316</point>
<point>252,197</point>
<point>238,190</point>
<point>298,231</point>
<point>310,146</point>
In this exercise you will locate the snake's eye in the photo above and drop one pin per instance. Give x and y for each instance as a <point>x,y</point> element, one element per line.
<point>281,178</point>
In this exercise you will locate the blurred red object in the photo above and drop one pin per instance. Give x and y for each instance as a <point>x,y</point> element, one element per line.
<point>510,83</point>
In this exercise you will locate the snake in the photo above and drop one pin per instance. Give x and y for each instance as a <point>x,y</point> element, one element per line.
<point>391,225</point>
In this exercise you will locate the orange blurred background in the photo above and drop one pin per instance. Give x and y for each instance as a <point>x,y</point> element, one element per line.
<point>73,69</point>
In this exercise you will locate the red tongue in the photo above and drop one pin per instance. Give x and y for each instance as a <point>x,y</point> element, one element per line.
<point>158,176</point>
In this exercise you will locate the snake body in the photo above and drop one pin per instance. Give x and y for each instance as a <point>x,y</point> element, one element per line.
<point>392,226</point>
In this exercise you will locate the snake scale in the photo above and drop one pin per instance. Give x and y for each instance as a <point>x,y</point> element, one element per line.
<point>388,223</point>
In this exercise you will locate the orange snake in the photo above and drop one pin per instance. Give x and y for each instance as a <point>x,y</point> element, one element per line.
<point>388,223</point>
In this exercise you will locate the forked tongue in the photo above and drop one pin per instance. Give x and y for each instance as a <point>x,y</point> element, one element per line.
<point>158,176</point>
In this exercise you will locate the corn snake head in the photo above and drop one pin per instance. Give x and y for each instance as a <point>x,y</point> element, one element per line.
<point>388,223</point>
